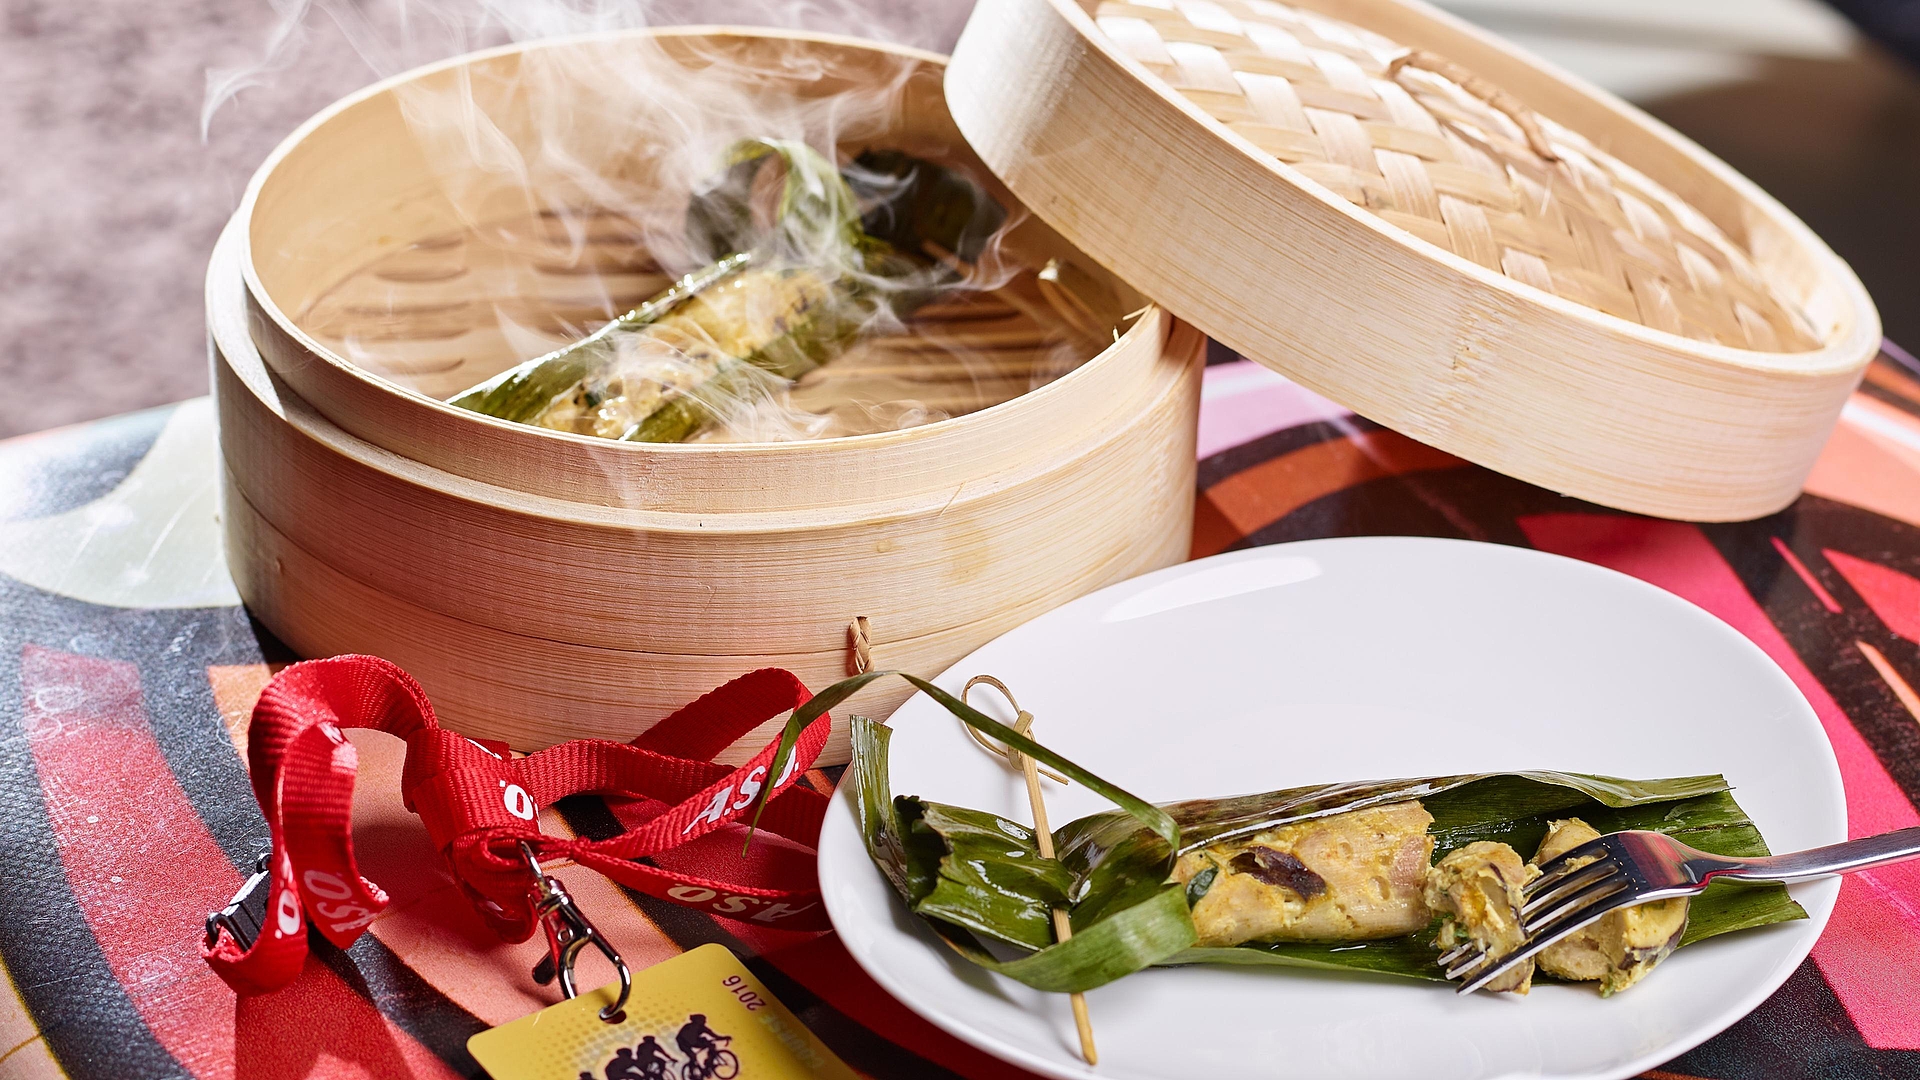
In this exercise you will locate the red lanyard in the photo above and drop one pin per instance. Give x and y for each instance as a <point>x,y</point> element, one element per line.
<point>480,806</point>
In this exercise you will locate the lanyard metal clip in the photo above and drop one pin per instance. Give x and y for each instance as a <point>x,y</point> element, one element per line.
<point>246,913</point>
<point>569,931</point>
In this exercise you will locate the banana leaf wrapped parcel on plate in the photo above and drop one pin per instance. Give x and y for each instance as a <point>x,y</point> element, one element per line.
<point>1380,876</point>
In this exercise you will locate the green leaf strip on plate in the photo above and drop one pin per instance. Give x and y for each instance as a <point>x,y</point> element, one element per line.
<point>1124,942</point>
<point>1147,814</point>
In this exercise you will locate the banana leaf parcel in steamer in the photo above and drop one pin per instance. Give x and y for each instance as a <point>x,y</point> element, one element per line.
<point>846,253</point>
<point>1133,879</point>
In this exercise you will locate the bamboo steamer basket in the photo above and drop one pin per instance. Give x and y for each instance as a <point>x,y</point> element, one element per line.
<point>1433,237</point>
<point>545,586</point>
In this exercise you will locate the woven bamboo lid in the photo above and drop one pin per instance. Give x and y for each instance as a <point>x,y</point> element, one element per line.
<point>1434,229</point>
<point>1458,162</point>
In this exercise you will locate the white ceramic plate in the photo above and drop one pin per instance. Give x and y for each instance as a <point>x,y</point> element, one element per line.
<point>1354,659</point>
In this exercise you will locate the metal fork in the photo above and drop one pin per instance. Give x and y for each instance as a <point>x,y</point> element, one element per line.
<point>1637,867</point>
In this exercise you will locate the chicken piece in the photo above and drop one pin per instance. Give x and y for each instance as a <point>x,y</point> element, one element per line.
<point>1346,877</point>
<point>1622,946</point>
<point>1478,889</point>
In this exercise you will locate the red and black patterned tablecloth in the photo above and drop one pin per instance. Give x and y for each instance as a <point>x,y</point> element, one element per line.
<point>127,670</point>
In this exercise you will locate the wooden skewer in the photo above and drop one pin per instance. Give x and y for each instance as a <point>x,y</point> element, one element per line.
<point>1043,836</point>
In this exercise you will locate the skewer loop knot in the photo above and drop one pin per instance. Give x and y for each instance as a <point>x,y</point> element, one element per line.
<point>1023,723</point>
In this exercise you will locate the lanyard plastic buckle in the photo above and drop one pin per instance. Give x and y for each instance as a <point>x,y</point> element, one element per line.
<point>569,931</point>
<point>246,913</point>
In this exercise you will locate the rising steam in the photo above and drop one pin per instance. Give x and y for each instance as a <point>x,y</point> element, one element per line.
<point>563,180</point>
<point>392,36</point>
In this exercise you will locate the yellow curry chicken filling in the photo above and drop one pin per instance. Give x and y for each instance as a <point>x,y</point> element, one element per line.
<point>1368,874</point>
<point>1348,877</point>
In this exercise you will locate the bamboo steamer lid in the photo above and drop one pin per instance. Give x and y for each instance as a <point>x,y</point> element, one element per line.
<point>1423,223</point>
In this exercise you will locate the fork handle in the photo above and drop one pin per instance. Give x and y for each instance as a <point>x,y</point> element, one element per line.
<point>1821,861</point>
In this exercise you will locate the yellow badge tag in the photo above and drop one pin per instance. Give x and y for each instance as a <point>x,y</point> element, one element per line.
<point>699,1016</point>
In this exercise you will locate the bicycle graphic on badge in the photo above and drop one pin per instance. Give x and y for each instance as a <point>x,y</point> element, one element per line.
<point>706,1049</point>
<point>717,1064</point>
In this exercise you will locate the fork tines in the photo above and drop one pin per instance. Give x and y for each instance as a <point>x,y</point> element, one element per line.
<point>1563,887</point>
<point>1568,893</point>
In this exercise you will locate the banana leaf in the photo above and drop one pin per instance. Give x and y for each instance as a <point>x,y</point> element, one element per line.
<point>866,257</point>
<point>964,871</point>
<point>523,390</point>
<point>1511,808</point>
<point>818,217</point>
<point>1156,820</point>
<point>974,875</point>
<point>909,204</point>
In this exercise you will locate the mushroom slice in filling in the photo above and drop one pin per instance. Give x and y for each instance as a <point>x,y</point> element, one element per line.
<point>1478,889</point>
<point>1353,876</point>
<point>1622,946</point>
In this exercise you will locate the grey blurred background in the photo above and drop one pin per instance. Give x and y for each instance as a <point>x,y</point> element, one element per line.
<point>110,198</point>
